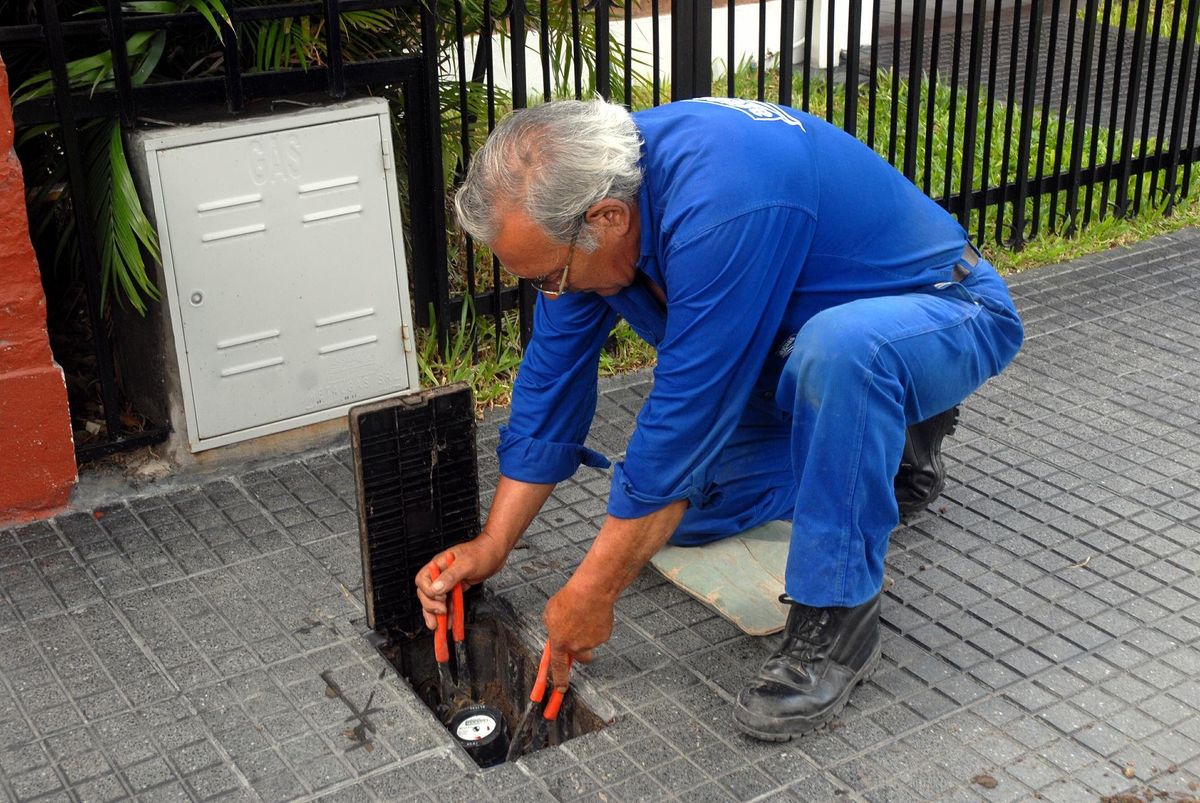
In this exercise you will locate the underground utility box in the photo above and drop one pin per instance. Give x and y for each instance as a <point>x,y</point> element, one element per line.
<point>418,494</point>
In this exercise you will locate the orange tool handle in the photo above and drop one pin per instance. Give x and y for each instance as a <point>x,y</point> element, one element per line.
<point>458,609</point>
<point>539,686</point>
<point>441,645</point>
<point>556,698</point>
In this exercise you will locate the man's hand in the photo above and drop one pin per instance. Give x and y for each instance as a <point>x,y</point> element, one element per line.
<point>474,561</point>
<point>576,622</point>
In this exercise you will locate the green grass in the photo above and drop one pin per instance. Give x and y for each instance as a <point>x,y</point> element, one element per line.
<point>1128,19</point>
<point>473,354</point>
<point>493,368</point>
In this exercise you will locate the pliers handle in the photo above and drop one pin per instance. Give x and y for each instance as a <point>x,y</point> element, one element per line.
<point>531,732</point>
<point>441,641</point>
<point>460,692</point>
<point>550,712</point>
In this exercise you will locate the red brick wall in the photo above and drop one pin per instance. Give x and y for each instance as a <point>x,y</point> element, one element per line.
<point>37,456</point>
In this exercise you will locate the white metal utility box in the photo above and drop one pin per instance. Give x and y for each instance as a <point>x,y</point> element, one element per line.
<point>285,289</point>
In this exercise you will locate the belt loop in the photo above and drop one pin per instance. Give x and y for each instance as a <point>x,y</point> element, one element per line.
<point>970,258</point>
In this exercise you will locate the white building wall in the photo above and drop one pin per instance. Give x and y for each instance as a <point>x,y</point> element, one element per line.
<point>746,35</point>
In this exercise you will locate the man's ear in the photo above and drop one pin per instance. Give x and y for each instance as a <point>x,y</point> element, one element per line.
<point>610,214</point>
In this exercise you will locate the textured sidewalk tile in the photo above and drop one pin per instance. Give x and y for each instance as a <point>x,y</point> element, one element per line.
<point>1041,640</point>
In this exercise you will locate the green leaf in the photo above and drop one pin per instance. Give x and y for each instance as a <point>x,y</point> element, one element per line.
<point>151,6</point>
<point>210,10</point>
<point>150,59</point>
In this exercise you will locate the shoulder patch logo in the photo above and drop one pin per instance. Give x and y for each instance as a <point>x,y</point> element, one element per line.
<point>755,109</point>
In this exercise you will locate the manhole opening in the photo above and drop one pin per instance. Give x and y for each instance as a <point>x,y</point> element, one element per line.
<point>503,669</point>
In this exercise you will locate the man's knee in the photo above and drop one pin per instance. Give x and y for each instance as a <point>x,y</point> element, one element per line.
<point>832,354</point>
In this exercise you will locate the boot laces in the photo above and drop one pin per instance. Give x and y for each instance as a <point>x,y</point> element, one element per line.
<point>803,639</point>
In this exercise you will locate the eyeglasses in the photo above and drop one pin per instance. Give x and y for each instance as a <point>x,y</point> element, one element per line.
<point>539,282</point>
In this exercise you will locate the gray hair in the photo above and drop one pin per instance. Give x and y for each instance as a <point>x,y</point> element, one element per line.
<point>553,161</point>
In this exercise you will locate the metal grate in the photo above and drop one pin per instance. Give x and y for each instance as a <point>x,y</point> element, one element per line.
<point>418,493</point>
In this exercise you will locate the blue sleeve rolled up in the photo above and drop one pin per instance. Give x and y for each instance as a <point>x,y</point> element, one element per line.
<point>554,397</point>
<point>531,459</point>
<point>728,288</point>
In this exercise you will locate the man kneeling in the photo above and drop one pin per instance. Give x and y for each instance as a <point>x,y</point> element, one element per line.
<point>817,320</point>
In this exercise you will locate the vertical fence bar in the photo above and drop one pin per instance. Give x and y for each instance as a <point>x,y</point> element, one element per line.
<point>333,44</point>
<point>120,62</point>
<point>1009,97</point>
<point>931,95</point>
<point>831,56</point>
<point>787,29</point>
<point>691,49</point>
<point>603,60</point>
<point>1025,136</point>
<point>1191,147</point>
<point>544,48</point>
<point>1097,108</point>
<point>1009,112</point>
<point>1044,127</point>
<point>517,35</point>
<point>656,78</point>
<point>989,118</point>
<point>628,54</point>
<point>234,97</point>
<point>427,190</point>
<point>808,51</point>
<point>485,47</point>
<point>464,144</point>
<point>894,122</point>
<point>1135,80</point>
<point>1085,75</point>
<point>516,40</point>
<point>1165,102</point>
<point>577,49</point>
<point>951,126</point>
<point>1151,68</point>
<point>1177,121</point>
<point>854,30</point>
<point>1106,189</point>
<point>913,115</point>
<point>873,77</point>
<point>971,124</point>
<point>1063,102</point>
<point>82,212</point>
<point>730,50</point>
<point>762,49</point>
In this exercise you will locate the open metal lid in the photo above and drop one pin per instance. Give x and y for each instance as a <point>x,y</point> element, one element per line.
<point>417,476</point>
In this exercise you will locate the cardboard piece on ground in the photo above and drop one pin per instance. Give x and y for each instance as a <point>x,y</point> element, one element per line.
<point>740,576</point>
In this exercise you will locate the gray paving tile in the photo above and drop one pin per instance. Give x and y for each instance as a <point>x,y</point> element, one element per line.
<point>1044,627</point>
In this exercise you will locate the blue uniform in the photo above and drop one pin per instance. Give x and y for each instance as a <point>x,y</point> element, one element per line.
<point>810,317</point>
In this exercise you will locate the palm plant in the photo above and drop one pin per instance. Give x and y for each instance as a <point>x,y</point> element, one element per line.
<point>124,233</point>
<point>126,240</point>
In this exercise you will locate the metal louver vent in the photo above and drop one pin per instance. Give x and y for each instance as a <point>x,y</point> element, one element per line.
<point>418,493</point>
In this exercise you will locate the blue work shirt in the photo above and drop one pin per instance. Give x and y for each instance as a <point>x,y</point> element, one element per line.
<point>754,217</point>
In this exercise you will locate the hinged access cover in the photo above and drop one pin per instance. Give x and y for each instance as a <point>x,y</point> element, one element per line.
<point>418,493</point>
<point>284,274</point>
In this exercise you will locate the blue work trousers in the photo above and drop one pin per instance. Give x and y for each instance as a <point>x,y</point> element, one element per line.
<point>824,449</point>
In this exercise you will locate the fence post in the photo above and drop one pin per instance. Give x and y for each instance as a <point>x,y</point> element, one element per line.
<point>427,190</point>
<point>691,49</point>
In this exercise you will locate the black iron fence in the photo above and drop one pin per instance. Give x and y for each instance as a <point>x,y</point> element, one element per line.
<point>70,68</point>
<point>1020,117</point>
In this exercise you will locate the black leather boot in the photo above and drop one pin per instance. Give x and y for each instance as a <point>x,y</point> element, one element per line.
<point>922,475</point>
<point>826,652</point>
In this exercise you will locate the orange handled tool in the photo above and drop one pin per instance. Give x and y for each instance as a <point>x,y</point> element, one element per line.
<point>458,612</point>
<point>441,650</point>
<point>532,730</point>
<point>543,680</point>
